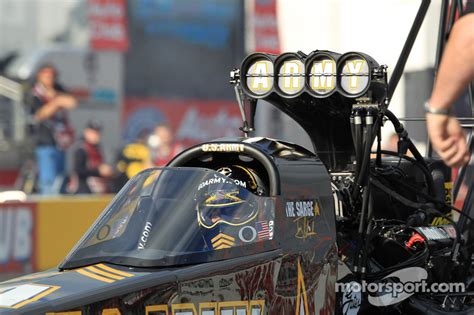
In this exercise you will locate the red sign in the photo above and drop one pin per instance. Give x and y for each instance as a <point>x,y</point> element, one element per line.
<point>17,237</point>
<point>192,121</point>
<point>108,24</point>
<point>266,27</point>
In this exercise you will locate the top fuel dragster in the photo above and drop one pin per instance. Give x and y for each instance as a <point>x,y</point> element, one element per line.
<point>260,226</point>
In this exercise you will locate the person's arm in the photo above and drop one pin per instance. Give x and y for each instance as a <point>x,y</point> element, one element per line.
<point>80,165</point>
<point>66,101</point>
<point>457,65</point>
<point>46,110</point>
<point>455,72</point>
<point>61,101</point>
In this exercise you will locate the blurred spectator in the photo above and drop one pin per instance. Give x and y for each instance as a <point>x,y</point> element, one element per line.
<point>134,158</point>
<point>52,131</point>
<point>90,174</point>
<point>162,145</point>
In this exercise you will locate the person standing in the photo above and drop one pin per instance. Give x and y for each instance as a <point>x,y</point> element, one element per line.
<point>132,159</point>
<point>52,132</point>
<point>90,173</point>
<point>162,145</point>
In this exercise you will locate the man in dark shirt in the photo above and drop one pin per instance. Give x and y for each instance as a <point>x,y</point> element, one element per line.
<point>90,173</point>
<point>52,132</point>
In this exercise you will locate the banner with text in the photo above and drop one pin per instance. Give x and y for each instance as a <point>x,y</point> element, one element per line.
<point>17,237</point>
<point>192,121</point>
<point>108,24</point>
<point>266,26</point>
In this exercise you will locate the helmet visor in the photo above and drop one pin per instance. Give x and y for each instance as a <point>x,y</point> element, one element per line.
<point>226,203</point>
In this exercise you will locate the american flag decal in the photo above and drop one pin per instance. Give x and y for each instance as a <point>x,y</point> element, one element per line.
<point>262,230</point>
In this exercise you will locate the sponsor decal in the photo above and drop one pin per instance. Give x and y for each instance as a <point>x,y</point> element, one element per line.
<point>247,234</point>
<point>18,296</point>
<point>223,147</point>
<point>17,237</point>
<point>262,231</point>
<point>450,230</point>
<point>270,228</point>
<point>302,208</point>
<point>448,195</point>
<point>436,233</point>
<point>304,213</point>
<point>226,171</point>
<point>145,234</point>
<point>448,192</point>
<point>221,180</point>
<point>441,220</point>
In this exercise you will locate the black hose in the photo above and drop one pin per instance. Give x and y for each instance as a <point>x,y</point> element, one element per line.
<point>361,177</point>
<point>378,160</point>
<point>400,130</point>
<point>434,200</point>
<point>360,232</point>
<point>351,120</point>
<point>358,140</point>
<point>369,138</point>
<point>367,234</point>
<point>403,156</point>
<point>394,194</point>
<point>415,162</point>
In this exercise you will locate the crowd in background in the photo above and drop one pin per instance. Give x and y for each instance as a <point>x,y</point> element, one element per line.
<point>53,137</point>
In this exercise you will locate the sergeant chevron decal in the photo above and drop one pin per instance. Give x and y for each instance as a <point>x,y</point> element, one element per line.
<point>104,273</point>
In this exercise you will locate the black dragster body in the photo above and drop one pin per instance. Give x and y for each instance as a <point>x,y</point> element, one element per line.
<point>261,226</point>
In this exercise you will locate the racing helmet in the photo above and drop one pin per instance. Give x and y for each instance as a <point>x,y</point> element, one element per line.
<point>245,177</point>
<point>227,204</point>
